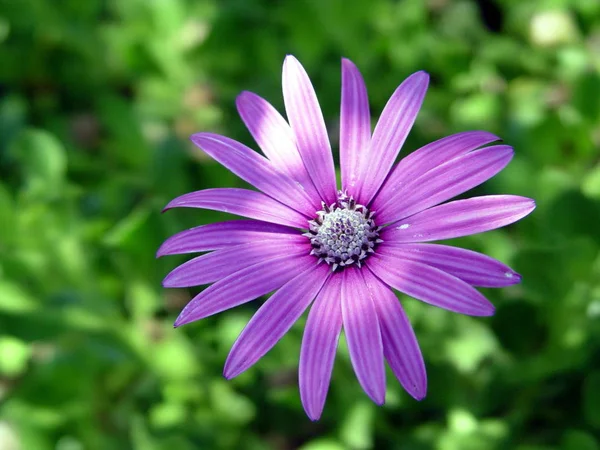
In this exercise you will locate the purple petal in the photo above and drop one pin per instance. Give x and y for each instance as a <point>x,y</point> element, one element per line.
<point>472,267</point>
<point>242,202</point>
<point>428,157</point>
<point>400,346</point>
<point>225,234</point>
<point>243,286</point>
<point>221,263</point>
<point>275,138</point>
<point>306,120</point>
<point>459,218</point>
<point>355,125</point>
<point>274,318</point>
<point>319,345</point>
<point>255,169</point>
<point>390,133</point>
<point>363,334</point>
<point>444,182</point>
<point>430,285</point>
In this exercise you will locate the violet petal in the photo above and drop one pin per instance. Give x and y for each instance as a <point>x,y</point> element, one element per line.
<point>474,268</point>
<point>221,263</point>
<point>308,125</point>
<point>390,133</point>
<point>255,169</point>
<point>459,218</point>
<point>275,138</point>
<point>355,125</point>
<point>274,318</point>
<point>225,234</point>
<point>243,286</point>
<point>400,346</point>
<point>445,182</point>
<point>428,157</point>
<point>363,335</point>
<point>241,202</point>
<point>319,345</point>
<point>430,285</point>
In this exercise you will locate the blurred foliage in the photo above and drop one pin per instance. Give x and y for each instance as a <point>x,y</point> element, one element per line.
<point>97,101</point>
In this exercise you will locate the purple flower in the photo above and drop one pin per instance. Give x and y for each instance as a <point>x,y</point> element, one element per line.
<point>344,250</point>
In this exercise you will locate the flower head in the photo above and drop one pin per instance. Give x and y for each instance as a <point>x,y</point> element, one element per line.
<point>343,251</point>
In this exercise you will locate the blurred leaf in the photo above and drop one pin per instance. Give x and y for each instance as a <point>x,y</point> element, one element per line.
<point>42,161</point>
<point>14,355</point>
<point>591,399</point>
<point>578,440</point>
<point>357,427</point>
<point>323,444</point>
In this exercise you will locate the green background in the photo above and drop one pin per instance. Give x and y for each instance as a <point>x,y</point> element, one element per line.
<point>97,99</point>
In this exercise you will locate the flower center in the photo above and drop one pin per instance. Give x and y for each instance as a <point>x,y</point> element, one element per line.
<point>343,233</point>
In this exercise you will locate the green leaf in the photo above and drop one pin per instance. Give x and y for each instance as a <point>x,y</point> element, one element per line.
<point>591,399</point>
<point>42,160</point>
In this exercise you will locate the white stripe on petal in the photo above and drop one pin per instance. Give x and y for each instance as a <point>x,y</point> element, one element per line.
<point>275,138</point>
<point>363,335</point>
<point>243,286</point>
<point>428,157</point>
<point>221,263</point>
<point>444,182</point>
<point>355,125</point>
<point>319,345</point>
<point>255,169</point>
<point>243,202</point>
<point>224,234</point>
<point>308,125</point>
<point>400,345</point>
<point>459,218</point>
<point>430,285</point>
<point>474,268</point>
<point>389,135</point>
<point>274,318</point>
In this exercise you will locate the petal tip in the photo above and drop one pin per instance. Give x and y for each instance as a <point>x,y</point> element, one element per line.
<point>488,311</point>
<point>313,414</point>
<point>513,277</point>
<point>243,97</point>
<point>418,392</point>
<point>183,318</point>
<point>379,401</point>
<point>172,204</point>
<point>347,63</point>
<point>290,59</point>
<point>230,372</point>
<point>161,251</point>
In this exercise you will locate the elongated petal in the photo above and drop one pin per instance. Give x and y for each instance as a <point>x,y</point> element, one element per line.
<point>242,202</point>
<point>308,125</point>
<point>459,218</point>
<point>275,138</point>
<point>319,345</point>
<point>274,318</point>
<point>428,157</point>
<point>445,181</point>
<point>224,234</point>
<point>430,285</point>
<point>255,169</point>
<point>355,125</point>
<point>243,286</point>
<point>389,135</point>
<point>363,334</point>
<point>221,263</point>
<point>472,267</point>
<point>400,346</point>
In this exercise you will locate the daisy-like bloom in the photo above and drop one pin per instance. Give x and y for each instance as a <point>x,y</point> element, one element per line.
<point>343,251</point>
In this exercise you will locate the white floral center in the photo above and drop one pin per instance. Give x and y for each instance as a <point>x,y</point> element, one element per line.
<point>343,233</point>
